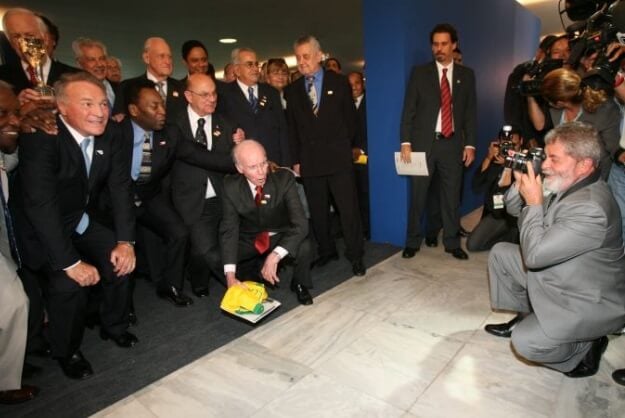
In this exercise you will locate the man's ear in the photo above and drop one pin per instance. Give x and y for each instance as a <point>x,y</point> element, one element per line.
<point>146,59</point>
<point>133,110</point>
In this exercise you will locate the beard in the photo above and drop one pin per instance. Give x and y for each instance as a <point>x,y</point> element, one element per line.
<point>555,182</point>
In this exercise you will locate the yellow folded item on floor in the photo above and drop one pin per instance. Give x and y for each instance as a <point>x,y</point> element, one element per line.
<point>241,300</point>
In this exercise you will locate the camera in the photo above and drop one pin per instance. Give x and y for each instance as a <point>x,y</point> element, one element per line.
<point>505,141</point>
<point>517,160</point>
<point>537,70</point>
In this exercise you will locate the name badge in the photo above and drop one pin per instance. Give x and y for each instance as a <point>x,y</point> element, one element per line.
<point>498,201</point>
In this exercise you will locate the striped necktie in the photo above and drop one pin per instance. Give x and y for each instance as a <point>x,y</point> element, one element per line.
<point>446,118</point>
<point>312,94</point>
<point>146,159</point>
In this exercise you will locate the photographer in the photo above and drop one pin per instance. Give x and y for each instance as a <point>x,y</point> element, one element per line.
<point>494,178</point>
<point>568,279</point>
<point>570,100</point>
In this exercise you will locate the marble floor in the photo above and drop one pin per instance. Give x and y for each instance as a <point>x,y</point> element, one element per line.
<point>406,340</point>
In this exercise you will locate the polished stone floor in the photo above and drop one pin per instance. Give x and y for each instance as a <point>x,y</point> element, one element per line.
<point>406,340</point>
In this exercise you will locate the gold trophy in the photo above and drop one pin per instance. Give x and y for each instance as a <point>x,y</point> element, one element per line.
<point>34,50</point>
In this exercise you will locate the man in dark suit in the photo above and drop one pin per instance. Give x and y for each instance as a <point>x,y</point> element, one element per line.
<point>256,107</point>
<point>196,189</point>
<point>91,56</point>
<point>264,217</point>
<point>322,127</point>
<point>20,23</point>
<point>59,178</point>
<point>159,67</point>
<point>439,119</point>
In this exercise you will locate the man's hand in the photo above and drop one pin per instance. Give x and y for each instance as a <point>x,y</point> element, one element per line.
<point>270,268</point>
<point>84,274</point>
<point>468,155</point>
<point>404,153</point>
<point>39,115</point>
<point>123,258</point>
<point>238,136</point>
<point>231,280</point>
<point>531,186</point>
<point>296,168</point>
<point>493,153</point>
<point>31,95</point>
<point>356,153</point>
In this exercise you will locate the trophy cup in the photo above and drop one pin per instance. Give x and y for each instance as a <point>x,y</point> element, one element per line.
<point>34,50</point>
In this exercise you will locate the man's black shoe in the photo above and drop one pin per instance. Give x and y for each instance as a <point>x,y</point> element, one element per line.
<point>76,366</point>
<point>409,252</point>
<point>12,397</point>
<point>200,292</point>
<point>503,330</point>
<point>431,242</point>
<point>30,370</point>
<point>458,253</point>
<point>174,296</point>
<point>125,340</point>
<point>619,376</point>
<point>325,259</point>
<point>590,363</point>
<point>303,296</point>
<point>42,351</point>
<point>463,232</point>
<point>358,268</point>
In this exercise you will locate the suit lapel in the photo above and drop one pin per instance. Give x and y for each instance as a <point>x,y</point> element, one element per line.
<point>98,157</point>
<point>240,98</point>
<point>159,150</point>
<point>75,152</point>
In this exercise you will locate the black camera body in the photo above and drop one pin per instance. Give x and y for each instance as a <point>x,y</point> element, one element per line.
<point>517,160</point>
<point>537,70</point>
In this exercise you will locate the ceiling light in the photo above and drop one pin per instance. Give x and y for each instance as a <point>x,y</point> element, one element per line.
<point>228,40</point>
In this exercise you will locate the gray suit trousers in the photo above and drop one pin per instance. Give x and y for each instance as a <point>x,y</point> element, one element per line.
<point>13,326</point>
<point>508,291</point>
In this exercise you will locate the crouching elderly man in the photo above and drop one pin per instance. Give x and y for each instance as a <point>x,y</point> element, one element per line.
<point>567,277</point>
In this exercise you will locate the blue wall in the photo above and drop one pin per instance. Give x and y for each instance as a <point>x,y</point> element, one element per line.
<point>495,35</point>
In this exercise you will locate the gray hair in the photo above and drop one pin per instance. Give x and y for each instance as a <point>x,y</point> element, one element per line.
<point>80,43</point>
<point>20,10</point>
<point>66,79</point>
<point>308,39</point>
<point>580,140</point>
<point>117,60</point>
<point>234,55</point>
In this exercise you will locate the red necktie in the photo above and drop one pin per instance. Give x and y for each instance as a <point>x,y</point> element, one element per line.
<point>446,122</point>
<point>32,75</point>
<point>261,242</point>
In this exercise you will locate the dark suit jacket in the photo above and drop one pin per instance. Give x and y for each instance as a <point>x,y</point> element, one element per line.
<point>322,144</point>
<point>195,164</point>
<point>176,102</point>
<point>360,140</point>
<point>267,125</point>
<point>243,220</point>
<point>422,104</point>
<point>52,192</point>
<point>14,74</point>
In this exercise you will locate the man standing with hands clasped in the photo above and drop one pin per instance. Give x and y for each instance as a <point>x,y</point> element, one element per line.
<point>439,119</point>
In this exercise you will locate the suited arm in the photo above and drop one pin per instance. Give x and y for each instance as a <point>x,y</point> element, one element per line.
<point>409,112</point>
<point>229,231</point>
<point>610,130</point>
<point>350,116</point>
<point>285,149</point>
<point>513,201</point>
<point>470,114</point>
<point>578,227</point>
<point>38,181</point>
<point>120,186</point>
<point>293,132</point>
<point>298,230</point>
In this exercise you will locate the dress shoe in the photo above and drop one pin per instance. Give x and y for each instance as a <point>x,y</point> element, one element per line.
<point>125,340</point>
<point>431,242</point>
<point>458,253</point>
<point>132,318</point>
<point>76,366</point>
<point>174,296</point>
<point>30,370</point>
<point>409,252</point>
<point>619,376</point>
<point>590,363</point>
<point>503,330</point>
<point>12,397</point>
<point>200,292</point>
<point>325,259</point>
<point>44,351</point>
<point>358,268</point>
<point>303,296</point>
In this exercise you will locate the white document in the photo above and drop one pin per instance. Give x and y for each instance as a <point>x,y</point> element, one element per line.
<point>269,304</point>
<point>416,167</point>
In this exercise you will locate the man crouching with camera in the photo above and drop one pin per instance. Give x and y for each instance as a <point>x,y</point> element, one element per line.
<point>566,279</point>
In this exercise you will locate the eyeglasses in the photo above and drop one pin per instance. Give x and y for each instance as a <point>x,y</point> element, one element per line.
<point>205,95</point>
<point>250,64</point>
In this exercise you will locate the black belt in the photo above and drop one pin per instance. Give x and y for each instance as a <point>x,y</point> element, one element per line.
<point>438,135</point>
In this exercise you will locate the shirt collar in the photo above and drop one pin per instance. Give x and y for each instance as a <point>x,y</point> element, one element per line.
<point>78,137</point>
<point>139,133</point>
<point>153,78</point>
<point>450,67</point>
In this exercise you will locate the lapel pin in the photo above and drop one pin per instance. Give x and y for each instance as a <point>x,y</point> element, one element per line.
<point>263,202</point>
<point>330,92</point>
<point>458,81</point>
<point>267,196</point>
<point>216,133</point>
<point>162,143</point>
<point>174,93</point>
<point>99,152</point>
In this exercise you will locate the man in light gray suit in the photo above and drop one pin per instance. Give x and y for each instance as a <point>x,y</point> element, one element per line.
<point>567,277</point>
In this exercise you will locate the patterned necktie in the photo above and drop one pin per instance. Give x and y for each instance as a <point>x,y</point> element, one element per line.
<point>32,75</point>
<point>84,146</point>
<point>200,134</point>
<point>146,159</point>
<point>252,99</point>
<point>261,242</point>
<point>446,121</point>
<point>312,93</point>
<point>9,223</point>
<point>160,87</point>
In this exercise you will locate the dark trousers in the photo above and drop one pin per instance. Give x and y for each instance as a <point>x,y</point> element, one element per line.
<point>205,254</point>
<point>342,188</point>
<point>67,301</point>
<point>301,260</point>
<point>361,174</point>
<point>444,160</point>
<point>490,231</point>
<point>166,256</point>
<point>32,281</point>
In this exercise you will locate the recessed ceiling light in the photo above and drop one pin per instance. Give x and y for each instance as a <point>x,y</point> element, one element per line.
<point>228,40</point>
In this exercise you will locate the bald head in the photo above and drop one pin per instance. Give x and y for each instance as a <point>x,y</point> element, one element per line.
<point>251,161</point>
<point>201,94</point>
<point>157,58</point>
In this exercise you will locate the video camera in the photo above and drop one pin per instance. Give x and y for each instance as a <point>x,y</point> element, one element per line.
<point>537,70</point>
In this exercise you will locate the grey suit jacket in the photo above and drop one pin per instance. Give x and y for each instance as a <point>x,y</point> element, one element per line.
<point>422,104</point>
<point>573,252</point>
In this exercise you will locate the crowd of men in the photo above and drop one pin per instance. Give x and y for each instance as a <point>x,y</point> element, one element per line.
<point>215,180</point>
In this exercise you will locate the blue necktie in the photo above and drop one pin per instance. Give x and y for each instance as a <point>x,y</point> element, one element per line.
<point>84,220</point>
<point>252,99</point>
